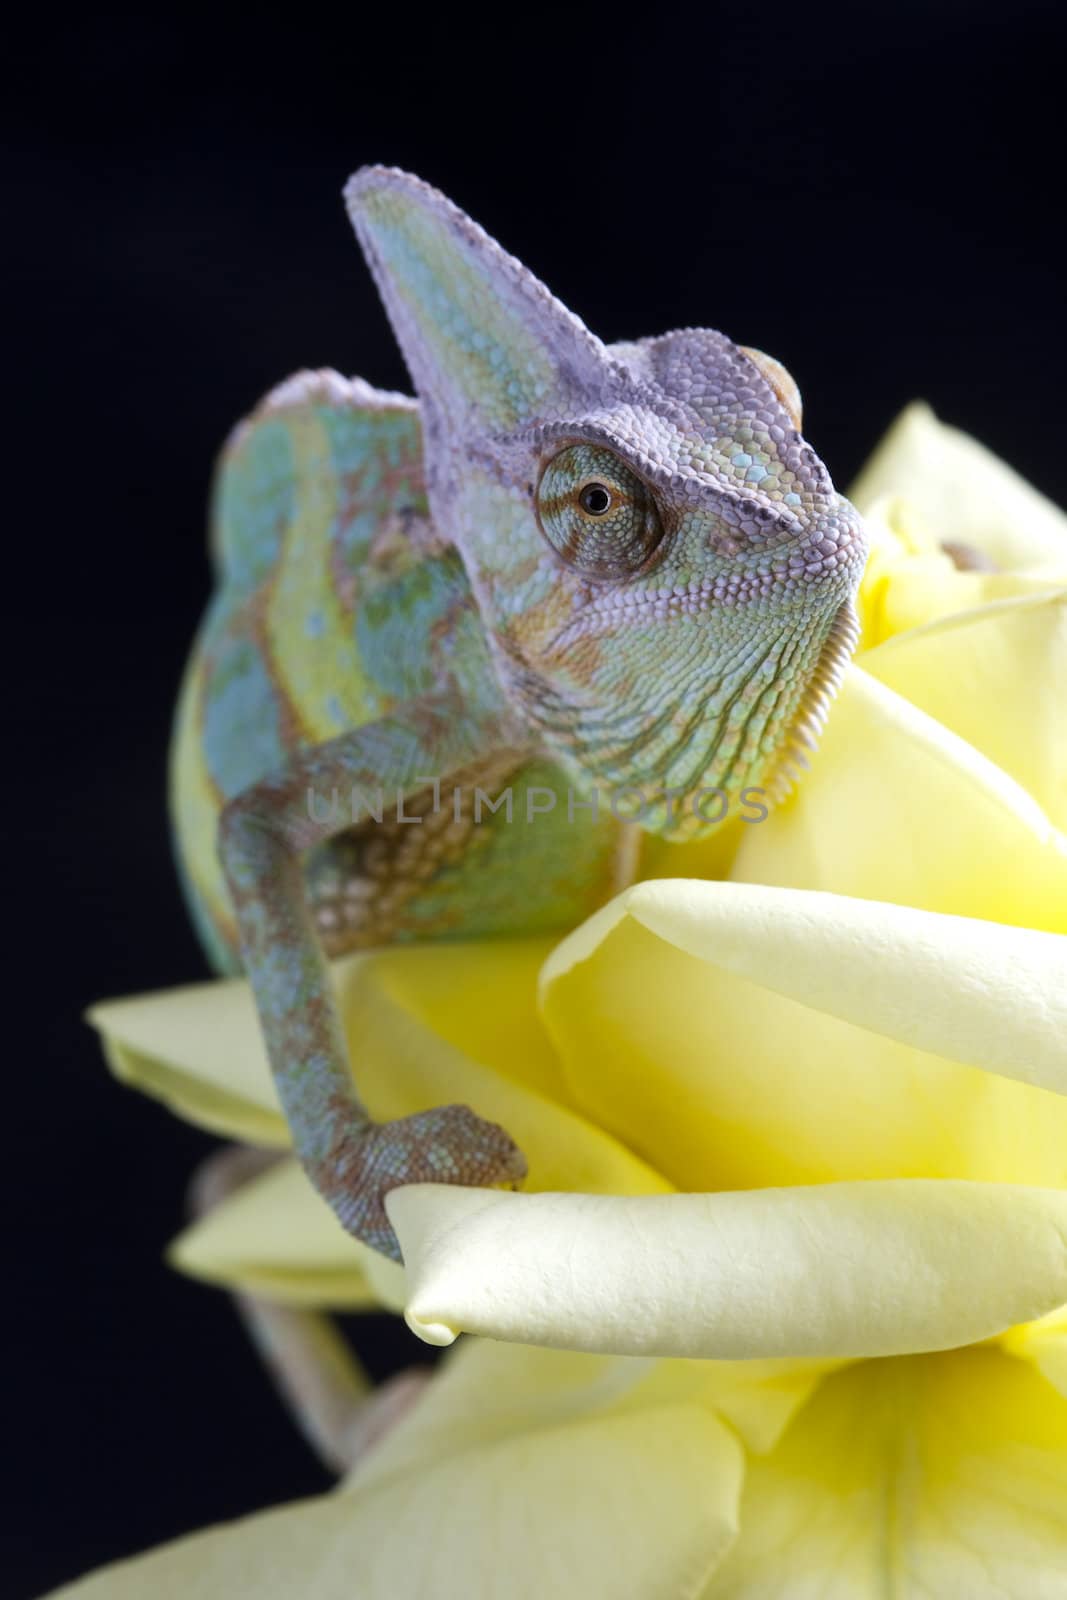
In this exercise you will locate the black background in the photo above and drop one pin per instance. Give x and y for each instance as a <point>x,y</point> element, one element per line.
<point>874,196</point>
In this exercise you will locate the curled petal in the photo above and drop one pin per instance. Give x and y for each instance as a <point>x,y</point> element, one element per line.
<point>972,991</point>
<point>733,1015</point>
<point>831,1270</point>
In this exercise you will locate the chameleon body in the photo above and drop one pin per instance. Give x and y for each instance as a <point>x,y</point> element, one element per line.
<point>566,568</point>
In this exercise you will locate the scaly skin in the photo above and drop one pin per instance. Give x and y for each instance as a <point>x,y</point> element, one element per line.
<point>567,566</point>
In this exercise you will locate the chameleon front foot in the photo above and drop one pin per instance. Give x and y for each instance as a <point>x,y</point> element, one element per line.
<point>446,1145</point>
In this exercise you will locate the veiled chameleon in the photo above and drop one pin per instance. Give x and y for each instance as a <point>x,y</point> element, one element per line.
<point>565,567</point>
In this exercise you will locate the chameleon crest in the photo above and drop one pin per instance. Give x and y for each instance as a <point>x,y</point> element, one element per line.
<point>566,567</point>
<point>662,565</point>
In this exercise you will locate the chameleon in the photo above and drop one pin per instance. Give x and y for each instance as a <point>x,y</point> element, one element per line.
<point>565,568</point>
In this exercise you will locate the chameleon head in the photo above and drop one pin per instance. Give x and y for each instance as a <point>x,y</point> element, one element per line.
<point>663,567</point>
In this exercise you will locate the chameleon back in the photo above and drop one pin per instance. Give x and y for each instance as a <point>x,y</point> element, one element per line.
<point>332,598</point>
<point>335,604</point>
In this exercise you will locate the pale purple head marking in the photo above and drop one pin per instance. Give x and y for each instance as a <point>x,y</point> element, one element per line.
<point>713,661</point>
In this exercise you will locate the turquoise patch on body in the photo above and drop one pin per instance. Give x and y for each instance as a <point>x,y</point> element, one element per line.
<point>337,714</point>
<point>397,624</point>
<point>368,450</point>
<point>221,958</point>
<point>254,505</point>
<point>242,738</point>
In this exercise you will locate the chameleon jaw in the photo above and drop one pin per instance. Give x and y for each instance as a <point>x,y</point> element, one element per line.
<point>809,720</point>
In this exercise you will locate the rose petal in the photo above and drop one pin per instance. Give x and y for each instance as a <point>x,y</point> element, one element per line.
<point>485,1391</point>
<point>964,492</point>
<point>911,579</point>
<point>997,677</point>
<point>691,858</point>
<point>899,808</point>
<point>616,1506</point>
<point>973,991</point>
<point>275,1237</point>
<point>734,1015</point>
<point>438,984</point>
<point>199,1050</point>
<point>940,1476</point>
<point>833,1270</point>
<point>404,1066</point>
<point>1044,1342</point>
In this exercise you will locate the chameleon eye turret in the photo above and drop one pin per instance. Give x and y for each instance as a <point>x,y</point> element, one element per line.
<point>598,516</point>
<point>781,381</point>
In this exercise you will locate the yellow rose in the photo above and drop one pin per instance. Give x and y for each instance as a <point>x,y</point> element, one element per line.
<point>805,1124</point>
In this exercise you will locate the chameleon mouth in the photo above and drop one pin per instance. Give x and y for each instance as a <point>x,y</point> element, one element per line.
<point>809,720</point>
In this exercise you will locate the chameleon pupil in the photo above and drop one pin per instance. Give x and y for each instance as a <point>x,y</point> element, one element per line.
<point>595,499</point>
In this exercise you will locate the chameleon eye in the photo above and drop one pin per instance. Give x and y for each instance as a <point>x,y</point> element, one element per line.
<point>597,514</point>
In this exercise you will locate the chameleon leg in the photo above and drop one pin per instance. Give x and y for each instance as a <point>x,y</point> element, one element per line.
<point>263,835</point>
<point>313,1369</point>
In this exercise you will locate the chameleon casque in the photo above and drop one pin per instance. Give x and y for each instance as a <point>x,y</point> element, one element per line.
<point>565,566</point>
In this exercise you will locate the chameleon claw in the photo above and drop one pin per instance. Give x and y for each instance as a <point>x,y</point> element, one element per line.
<point>448,1144</point>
